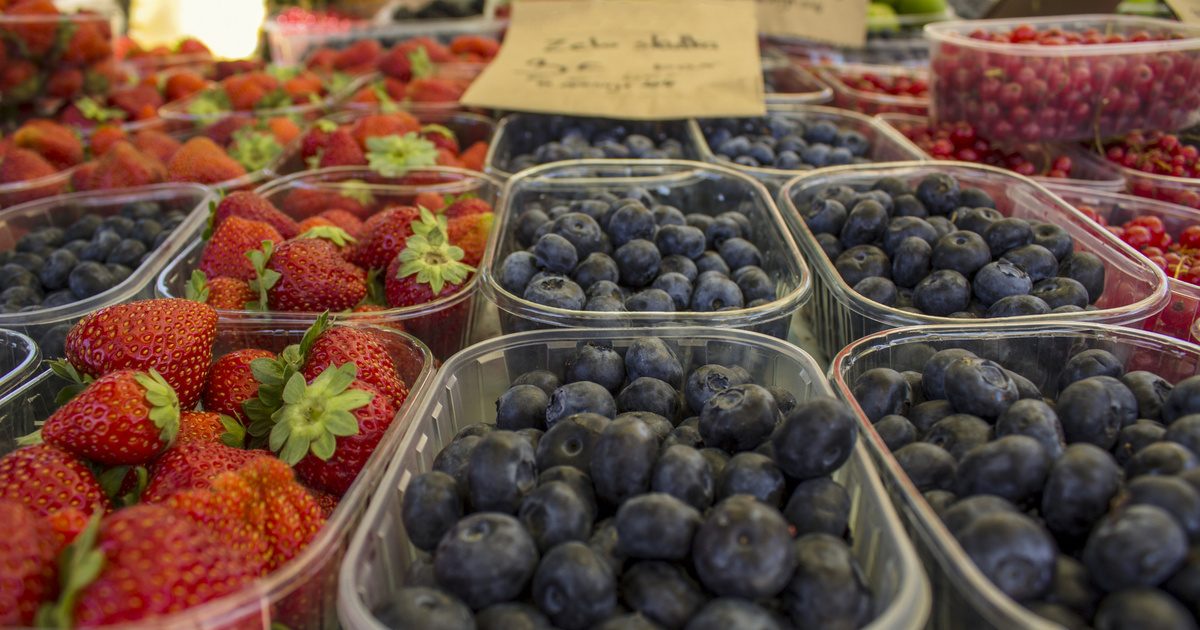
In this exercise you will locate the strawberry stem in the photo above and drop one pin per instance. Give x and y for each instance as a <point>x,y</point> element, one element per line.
<point>264,278</point>
<point>197,287</point>
<point>164,404</point>
<point>78,566</point>
<point>315,414</point>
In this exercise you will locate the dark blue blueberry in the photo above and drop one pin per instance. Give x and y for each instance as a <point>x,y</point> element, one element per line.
<point>893,186</point>
<point>1140,545</point>
<point>754,475</point>
<point>1087,269</point>
<point>101,244</point>
<point>823,131</point>
<point>570,441</point>
<point>501,471</point>
<point>911,262</point>
<point>90,278</point>
<point>738,253</point>
<point>933,373</point>
<point>819,506</point>
<point>652,395</point>
<point>555,291</point>
<point>1135,437</point>
<point>665,215</point>
<point>896,431</point>
<point>62,297</point>
<point>816,154</point>
<point>882,392</point>
<point>684,436</point>
<point>976,220</point>
<point>1033,418</point>
<point>623,460</point>
<point>1150,390</point>
<point>656,526</point>
<point>40,240</point>
<point>638,262</point>
<point>1093,362</point>
<point>865,224</point>
<point>939,193</point>
<point>975,198</point>
<point>941,224</point>
<point>828,589</point>
<point>83,227</point>
<point>1183,400</point>
<point>1058,292</point>
<point>815,439</point>
<point>739,418</point>
<point>726,613</point>
<point>706,382</point>
<point>907,205</point>
<point>516,271</point>
<point>543,379</point>
<point>979,387</point>
<point>963,513</point>
<point>638,144</point>
<point>57,269</point>
<point>605,288</point>
<point>929,467</point>
<point>744,549</point>
<point>662,592</point>
<point>785,400</point>
<point>594,268</point>
<point>555,253</point>
<point>598,363</point>
<point>734,147</point>
<point>862,261</point>
<point>900,229</point>
<point>1013,467</point>
<point>1012,551</point>
<point>76,247</point>
<point>961,251</point>
<point>521,407</point>
<point>454,460</point>
<point>485,559</point>
<point>762,152</point>
<point>677,287</point>
<point>123,226</point>
<point>528,224</point>
<point>715,293</point>
<point>575,587</point>
<point>1142,608</point>
<point>1054,238</point>
<point>431,507</point>
<point>788,160</point>
<point>712,261</point>
<point>424,607</point>
<point>30,262</point>
<point>1094,409</point>
<point>1036,261</point>
<point>830,245</point>
<point>1161,458</point>
<point>554,513</point>
<point>839,156</point>
<point>959,433</point>
<point>854,141</point>
<point>1017,306</point>
<point>680,265</point>
<point>574,477</point>
<point>650,300</point>
<point>579,229</point>
<point>825,216</point>
<point>942,292</point>
<point>1185,431</point>
<point>1007,234</point>
<point>683,240</point>
<point>506,616</point>
<point>147,231</point>
<point>878,289</point>
<point>579,397</point>
<point>685,474</point>
<point>631,221</point>
<point>1174,495</point>
<point>119,272</point>
<point>650,356</point>
<point>998,280</point>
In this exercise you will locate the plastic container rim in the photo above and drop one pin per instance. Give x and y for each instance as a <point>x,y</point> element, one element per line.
<point>14,377</point>
<point>955,32</point>
<point>832,74</point>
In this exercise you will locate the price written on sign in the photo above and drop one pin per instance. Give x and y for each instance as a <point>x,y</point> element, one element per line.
<point>841,22</point>
<point>636,59</point>
<point>1187,10</point>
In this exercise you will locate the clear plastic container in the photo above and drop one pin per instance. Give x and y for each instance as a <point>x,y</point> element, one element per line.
<point>19,359</point>
<point>901,51</point>
<point>1184,307</point>
<point>17,193</point>
<point>443,324</point>
<point>303,592</point>
<point>1072,92</point>
<point>290,45</point>
<point>49,326</point>
<point>466,387</point>
<point>1184,191</point>
<point>1134,289</point>
<point>36,68</point>
<point>787,84</point>
<point>689,186</point>
<point>963,597</point>
<point>1087,170</point>
<point>519,134</point>
<point>871,103</point>
<point>886,144</point>
<point>467,128</point>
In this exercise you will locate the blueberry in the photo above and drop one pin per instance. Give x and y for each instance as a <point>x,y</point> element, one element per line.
<point>54,299</point>
<point>485,559</point>
<point>650,300</point>
<point>40,240</point>
<point>1036,261</point>
<point>1094,409</point>
<point>665,215</point>
<point>423,607</point>
<point>119,272</point>
<point>103,243</point>
<point>1071,588</point>
<point>823,131</point>
<point>866,224</point>
<point>516,271</point>
<point>90,278</point>
<point>939,193</point>
<point>724,613</point>
<point>1163,458</point>
<point>744,549</point>
<point>881,392</point>
<point>598,363</point>
<point>684,436</point>
<point>716,293</point>
<point>652,395</point>
<point>785,400</point>
<point>555,253</point>
<point>853,141</point>
<point>543,379</point>
<point>816,155</point>
<point>1172,494</point>
<point>907,205</point>
<point>1135,437</point>
<point>706,382</point>
<point>896,431</point>
<point>1150,390</point>
<point>501,471</point>
<point>1090,363</point>
<point>579,229</point>
<point>941,224</point>
<point>1007,234</point>
<point>574,586</point>
<point>755,284</point>
<point>819,506</point>
<point>961,251</point>
<point>454,460</point>
<point>83,227</point>
<point>712,261</point>
<point>830,245</point>
<point>1017,306</point>
<point>738,253</point>
<point>577,479</point>
<point>579,397</point>
<point>997,280</point>
<point>1013,467</point>
<point>685,474</point>
<point>929,467</point>
<point>57,269</point>
<point>632,221</point>
<point>1058,292</point>
<point>815,439</point>
<point>734,147</point>
<point>828,589</point>
<point>554,513</point>
<point>656,526</point>
<point>680,265</point>
<point>1012,551</point>
<point>521,407</point>
<point>911,262</point>
<point>752,474</point>
<point>127,252</point>
<point>1182,400</point>
<point>1035,419</point>
<point>604,543</point>
<point>1142,608</point>
<point>738,418</point>
<point>662,592</point>
<point>1054,238</point>
<point>510,615</point>
<point>976,220</point>
<point>963,513</point>
<point>1185,584</point>
<point>823,216</point>
<point>431,507</point>
<point>555,291</point>
<point>860,262</point>
<point>650,356</point>
<point>605,288</point>
<point>901,229</point>
<point>623,459</point>
<point>1140,545</point>
<point>1087,269</point>
<point>959,433</point>
<point>596,267</point>
<point>638,262</point>
<point>942,292</point>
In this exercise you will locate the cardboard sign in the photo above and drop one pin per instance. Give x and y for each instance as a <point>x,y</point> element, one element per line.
<point>840,22</point>
<point>634,59</point>
<point>1187,10</point>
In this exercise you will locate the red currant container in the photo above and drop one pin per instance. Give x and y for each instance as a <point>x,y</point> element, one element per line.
<point>1167,228</point>
<point>1086,170</point>
<point>1134,289</point>
<point>1055,90</point>
<point>847,95</point>
<point>963,597</point>
<point>788,84</point>
<point>1184,191</point>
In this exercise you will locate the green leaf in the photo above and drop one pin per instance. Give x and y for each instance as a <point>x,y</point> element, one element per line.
<point>211,224</point>
<point>209,103</point>
<point>319,326</point>
<point>326,125</point>
<point>438,129</point>
<point>357,190</point>
<point>338,81</point>
<point>255,150</point>
<point>112,479</point>
<point>429,257</point>
<point>324,446</point>
<point>31,439</point>
<point>334,235</point>
<point>94,110</point>
<point>294,390</point>
<point>392,156</point>
<point>275,99</point>
<point>164,404</point>
<point>197,287</point>
<point>376,293</point>
<point>264,278</point>
<point>235,433</point>
<point>422,65</point>
<point>341,423</point>
<point>282,73</point>
<point>313,161</point>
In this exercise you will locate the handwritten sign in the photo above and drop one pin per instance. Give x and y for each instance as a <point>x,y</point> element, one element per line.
<point>634,59</point>
<point>1187,10</point>
<point>840,22</point>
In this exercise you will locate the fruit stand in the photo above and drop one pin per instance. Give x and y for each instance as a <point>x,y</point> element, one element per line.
<point>413,319</point>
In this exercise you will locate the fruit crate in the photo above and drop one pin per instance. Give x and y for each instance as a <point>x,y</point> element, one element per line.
<point>443,324</point>
<point>17,193</point>
<point>1087,170</point>
<point>787,84</point>
<point>694,186</point>
<point>523,133</point>
<point>19,358</point>
<point>49,326</point>
<point>1184,306</point>
<point>872,103</point>
<point>886,144</point>
<point>963,597</point>
<point>303,592</point>
<point>463,392</point>
<point>467,128</point>
<point>1071,92</point>
<point>290,45</point>
<point>1134,290</point>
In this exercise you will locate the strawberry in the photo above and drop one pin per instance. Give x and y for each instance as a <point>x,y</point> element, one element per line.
<point>396,64</point>
<point>35,27</point>
<point>327,502</point>
<point>221,132</point>
<point>315,140</point>
<point>252,206</point>
<point>192,466</point>
<point>302,203</point>
<point>124,417</point>
<point>342,150</point>
<point>27,564</point>
<point>341,345</point>
<point>384,236</point>
<point>223,293</point>
<point>146,561</point>
<point>202,161</point>
<point>321,59</point>
<point>65,83</point>
<point>428,268</point>
<point>67,524</point>
<point>23,165</point>
<point>470,233</point>
<point>48,479</point>
<point>61,147</point>
<point>307,275</point>
<point>90,41</point>
<point>379,125</point>
<point>441,137</point>
<point>327,429</point>
<point>315,222</point>
<point>182,84</point>
<point>123,166</point>
<point>478,45</point>
<point>105,136</point>
<point>475,156</point>
<point>430,200</point>
<point>225,253</point>
<point>359,57</point>
<point>466,207</point>
<point>173,336</point>
<point>259,508</point>
<point>231,383</point>
<point>199,427</point>
<point>345,220</point>
<point>435,90</point>
<point>154,143</point>
<point>140,101</point>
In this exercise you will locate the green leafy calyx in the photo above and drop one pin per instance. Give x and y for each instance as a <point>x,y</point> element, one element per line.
<point>429,256</point>
<point>392,156</point>
<point>315,414</point>
<point>335,235</point>
<point>164,404</point>
<point>197,287</point>
<point>78,566</point>
<point>254,149</point>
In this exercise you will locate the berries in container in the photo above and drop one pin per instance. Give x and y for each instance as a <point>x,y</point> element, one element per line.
<point>398,250</point>
<point>411,57</point>
<point>1041,469</point>
<point>800,138</point>
<point>66,256</point>
<point>1073,78</point>
<point>526,140</point>
<point>788,84</point>
<point>1158,165</point>
<point>1049,163</point>
<point>869,89</point>
<point>271,92</point>
<point>188,53</point>
<point>153,361</point>
<point>50,56</point>
<point>389,564</point>
<point>19,359</point>
<point>923,243</point>
<point>603,243</point>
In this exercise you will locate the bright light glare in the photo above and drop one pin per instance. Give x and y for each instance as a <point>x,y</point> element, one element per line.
<point>228,27</point>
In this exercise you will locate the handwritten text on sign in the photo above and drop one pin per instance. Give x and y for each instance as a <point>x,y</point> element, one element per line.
<point>637,59</point>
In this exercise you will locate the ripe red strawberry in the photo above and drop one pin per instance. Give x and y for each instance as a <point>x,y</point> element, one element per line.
<point>470,233</point>
<point>435,90</point>
<point>173,336</point>
<point>258,508</point>
<point>192,466</point>
<point>327,429</point>
<point>327,502</point>
<point>67,524</point>
<point>345,220</point>
<point>384,236</point>
<point>342,150</point>
<point>27,564</point>
<point>307,275</point>
<point>441,137</point>
<point>396,64</point>
<point>430,201</point>
<point>466,207</point>
<point>220,293</point>
<point>428,268</point>
<point>474,157</point>
<point>304,202</point>
<point>231,383</point>
<point>225,252</point>
<point>341,345</point>
<point>199,427</point>
<point>48,479</point>
<point>155,562</point>
<point>254,207</point>
<point>124,417</point>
